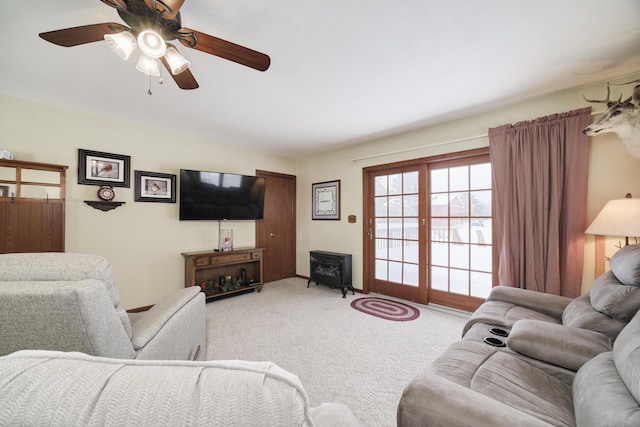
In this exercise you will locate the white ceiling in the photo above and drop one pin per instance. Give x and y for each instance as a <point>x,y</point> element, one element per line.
<point>341,71</point>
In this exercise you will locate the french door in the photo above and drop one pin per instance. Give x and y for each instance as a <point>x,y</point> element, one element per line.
<point>428,235</point>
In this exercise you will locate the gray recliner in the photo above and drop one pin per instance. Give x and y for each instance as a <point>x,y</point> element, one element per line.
<point>473,384</point>
<point>69,302</point>
<point>613,300</point>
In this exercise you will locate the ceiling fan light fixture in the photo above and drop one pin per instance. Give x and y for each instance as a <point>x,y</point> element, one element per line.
<point>177,63</point>
<point>122,44</point>
<point>151,43</point>
<point>148,65</point>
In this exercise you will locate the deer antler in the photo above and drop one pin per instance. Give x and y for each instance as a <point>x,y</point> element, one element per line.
<point>601,101</point>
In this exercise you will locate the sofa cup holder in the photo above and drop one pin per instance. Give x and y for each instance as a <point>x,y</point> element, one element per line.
<point>496,342</point>
<point>499,332</point>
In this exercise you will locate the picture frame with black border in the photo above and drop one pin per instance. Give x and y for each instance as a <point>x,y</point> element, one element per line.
<point>325,200</point>
<point>154,187</point>
<point>100,168</point>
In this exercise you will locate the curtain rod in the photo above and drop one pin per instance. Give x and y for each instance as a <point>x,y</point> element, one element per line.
<point>453,141</point>
<point>388,153</point>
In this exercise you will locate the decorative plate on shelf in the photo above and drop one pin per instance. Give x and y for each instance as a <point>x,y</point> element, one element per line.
<point>106,193</point>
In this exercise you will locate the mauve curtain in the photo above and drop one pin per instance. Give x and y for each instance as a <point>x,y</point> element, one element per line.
<point>540,170</point>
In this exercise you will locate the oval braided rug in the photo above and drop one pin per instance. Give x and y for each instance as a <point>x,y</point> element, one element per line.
<point>386,309</point>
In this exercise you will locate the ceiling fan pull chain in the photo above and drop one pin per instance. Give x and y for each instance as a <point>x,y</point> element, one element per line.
<point>150,92</point>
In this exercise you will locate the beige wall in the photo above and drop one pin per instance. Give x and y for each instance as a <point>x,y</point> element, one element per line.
<point>143,241</point>
<point>613,172</point>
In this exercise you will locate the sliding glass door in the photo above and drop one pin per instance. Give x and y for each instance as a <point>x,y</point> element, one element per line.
<point>428,235</point>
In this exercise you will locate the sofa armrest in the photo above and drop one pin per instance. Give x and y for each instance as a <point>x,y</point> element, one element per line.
<point>179,318</point>
<point>549,304</point>
<point>431,400</point>
<point>557,344</point>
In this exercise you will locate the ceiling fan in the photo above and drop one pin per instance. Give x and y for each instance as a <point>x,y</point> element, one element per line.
<point>152,24</point>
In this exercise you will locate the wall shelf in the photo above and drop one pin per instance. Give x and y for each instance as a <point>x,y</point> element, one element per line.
<point>103,206</point>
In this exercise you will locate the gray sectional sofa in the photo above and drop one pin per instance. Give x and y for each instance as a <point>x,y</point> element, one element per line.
<point>532,359</point>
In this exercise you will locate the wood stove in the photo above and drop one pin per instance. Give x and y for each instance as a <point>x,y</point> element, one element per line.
<point>331,268</point>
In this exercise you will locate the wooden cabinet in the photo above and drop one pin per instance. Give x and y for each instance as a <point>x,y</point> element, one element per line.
<point>32,200</point>
<point>224,273</point>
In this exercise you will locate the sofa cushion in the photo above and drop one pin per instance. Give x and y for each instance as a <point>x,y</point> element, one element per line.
<point>601,397</point>
<point>625,264</point>
<point>580,314</point>
<point>626,355</point>
<point>611,297</point>
<point>507,379</point>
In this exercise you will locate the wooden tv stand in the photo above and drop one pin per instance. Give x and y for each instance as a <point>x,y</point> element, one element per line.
<point>206,268</point>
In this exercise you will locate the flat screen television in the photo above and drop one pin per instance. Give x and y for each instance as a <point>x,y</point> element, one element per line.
<point>220,196</point>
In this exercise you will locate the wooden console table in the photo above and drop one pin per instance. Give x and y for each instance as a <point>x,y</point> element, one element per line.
<point>221,273</point>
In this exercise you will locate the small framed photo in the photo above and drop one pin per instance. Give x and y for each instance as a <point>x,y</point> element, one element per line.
<point>326,200</point>
<point>98,168</point>
<point>154,187</point>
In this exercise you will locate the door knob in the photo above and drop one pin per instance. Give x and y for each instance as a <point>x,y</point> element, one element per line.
<point>272,235</point>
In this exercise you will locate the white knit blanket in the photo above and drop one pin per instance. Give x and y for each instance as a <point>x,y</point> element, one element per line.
<point>72,389</point>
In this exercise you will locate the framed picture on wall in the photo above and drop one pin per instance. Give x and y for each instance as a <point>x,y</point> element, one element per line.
<point>325,200</point>
<point>154,187</point>
<point>98,168</point>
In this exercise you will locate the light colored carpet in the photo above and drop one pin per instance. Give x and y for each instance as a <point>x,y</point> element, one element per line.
<point>340,354</point>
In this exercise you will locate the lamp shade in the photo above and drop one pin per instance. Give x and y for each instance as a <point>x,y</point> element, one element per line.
<point>177,63</point>
<point>148,65</point>
<point>619,217</point>
<point>122,44</point>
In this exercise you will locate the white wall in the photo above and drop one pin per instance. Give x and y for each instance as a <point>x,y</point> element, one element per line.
<point>143,241</point>
<point>613,172</point>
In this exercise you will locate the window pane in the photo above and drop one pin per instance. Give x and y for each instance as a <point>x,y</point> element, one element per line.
<point>410,205</point>
<point>411,274</point>
<point>395,184</point>
<point>480,284</point>
<point>381,227</point>
<point>381,185</point>
<point>459,178</point>
<point>381,206</point>
<point>440,278</point>
<point>439,180</point>
<point>440,254</point>
<point>395,272</point>
<point>395,206</point>
<point>459,204</point>
<point>459,281</point>
<point>459,256</point>
<point>381,269</point>
<point>480,203</point>
<point>481,258</point>
<point>440,204</point>
<point>480,176</point>
<point>411,182</point>
<point>395,250</point>
<point>381,248</point>
<point>411,251</point>
<point>411,228</point>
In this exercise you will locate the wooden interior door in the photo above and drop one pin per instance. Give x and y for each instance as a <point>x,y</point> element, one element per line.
<point>276,233</point>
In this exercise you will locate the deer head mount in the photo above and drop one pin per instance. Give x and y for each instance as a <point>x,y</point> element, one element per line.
<point>621,117</point>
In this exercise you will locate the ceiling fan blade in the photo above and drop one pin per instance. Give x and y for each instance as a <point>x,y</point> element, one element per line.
<point>185,79</point>
<point>224,49</point>
<point>75,36</point>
